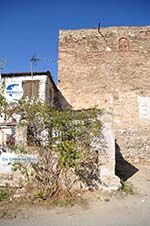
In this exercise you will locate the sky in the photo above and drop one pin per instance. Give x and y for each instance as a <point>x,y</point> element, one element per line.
<point>30,27</point>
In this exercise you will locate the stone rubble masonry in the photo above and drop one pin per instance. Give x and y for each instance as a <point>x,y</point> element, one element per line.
<point>110,73</point>
<point>105,179</point>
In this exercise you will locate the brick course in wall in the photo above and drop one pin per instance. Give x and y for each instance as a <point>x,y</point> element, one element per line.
<point>111,72</point>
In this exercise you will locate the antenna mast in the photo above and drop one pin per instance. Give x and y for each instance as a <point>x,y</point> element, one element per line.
<point>34,60</point>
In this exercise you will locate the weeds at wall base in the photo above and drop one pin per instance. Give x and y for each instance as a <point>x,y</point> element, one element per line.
<point>127,188</point>
<point>4,195</point>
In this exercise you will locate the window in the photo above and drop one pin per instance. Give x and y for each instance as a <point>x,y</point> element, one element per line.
<point>123,44</point>
<point>30,88</point>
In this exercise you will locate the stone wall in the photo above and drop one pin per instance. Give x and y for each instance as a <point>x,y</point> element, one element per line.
<point>110,71</point>
<point>99,175</point>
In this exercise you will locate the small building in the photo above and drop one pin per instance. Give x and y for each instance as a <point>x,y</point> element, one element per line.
<point>22,85</point>
<point>39,85</point>
<point>16,86</point>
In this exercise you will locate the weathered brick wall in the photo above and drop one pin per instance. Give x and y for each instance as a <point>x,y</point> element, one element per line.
<point>111,74</point>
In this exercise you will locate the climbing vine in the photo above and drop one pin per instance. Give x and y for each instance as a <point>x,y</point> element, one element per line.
<point>60,138</point>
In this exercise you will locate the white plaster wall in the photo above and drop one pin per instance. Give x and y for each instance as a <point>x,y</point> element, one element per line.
<point>42,85</point>
<point>4,131</point>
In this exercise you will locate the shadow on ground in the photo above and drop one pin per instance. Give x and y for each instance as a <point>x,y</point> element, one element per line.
<point>123,169</point>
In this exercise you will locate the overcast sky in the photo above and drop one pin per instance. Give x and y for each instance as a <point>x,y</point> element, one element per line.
<point>30,27</point>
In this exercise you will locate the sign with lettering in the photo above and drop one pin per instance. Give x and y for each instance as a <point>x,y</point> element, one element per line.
<point>7,159</point>
<point>13,91</point>
<point>144,107</point>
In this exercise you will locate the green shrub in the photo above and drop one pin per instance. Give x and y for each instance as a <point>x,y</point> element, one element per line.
<point>4,195</point>
<point>127,188</point>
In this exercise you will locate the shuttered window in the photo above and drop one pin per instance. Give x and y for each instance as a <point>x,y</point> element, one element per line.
<point>30,88</point>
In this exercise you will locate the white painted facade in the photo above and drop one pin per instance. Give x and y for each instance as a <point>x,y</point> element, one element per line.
<point>41,78</point>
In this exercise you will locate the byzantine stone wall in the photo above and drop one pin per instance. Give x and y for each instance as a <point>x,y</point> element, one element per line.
<point>111,70</point>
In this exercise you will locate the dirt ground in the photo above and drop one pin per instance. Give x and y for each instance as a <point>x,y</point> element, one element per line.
<point>104,209</point>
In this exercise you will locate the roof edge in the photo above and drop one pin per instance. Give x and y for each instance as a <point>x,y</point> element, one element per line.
<point>14,74</point>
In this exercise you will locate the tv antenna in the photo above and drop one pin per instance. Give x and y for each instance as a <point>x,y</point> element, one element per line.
<point>2,63</point>
<point>33,61</point>
<point>101,34</point>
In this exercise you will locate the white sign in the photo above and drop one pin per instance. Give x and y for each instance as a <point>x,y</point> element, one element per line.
<point>12,157</point>
<point>7,159</point>
<point>144,107</point>
<point>13,91</point>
